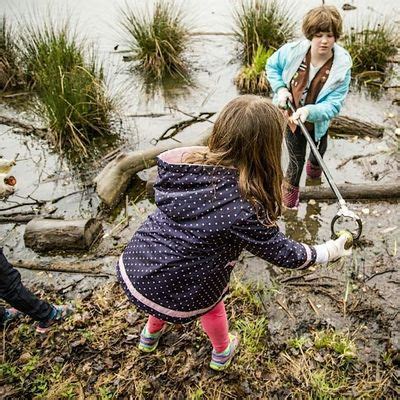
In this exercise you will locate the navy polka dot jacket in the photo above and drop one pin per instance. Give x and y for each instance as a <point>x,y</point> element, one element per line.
<point>178,264</point>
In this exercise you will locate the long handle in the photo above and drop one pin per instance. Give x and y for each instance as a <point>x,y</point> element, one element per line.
<point>320,160</point>
<point>344,211</point>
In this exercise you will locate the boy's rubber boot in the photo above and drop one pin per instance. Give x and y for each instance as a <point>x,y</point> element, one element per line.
<point>221,361</point>
<point>149,341</point>
<point>58,315</point>
<point>313,171</point>
<point>290,196</point>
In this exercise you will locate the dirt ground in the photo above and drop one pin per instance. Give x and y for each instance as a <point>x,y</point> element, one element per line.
<point>324,333</point>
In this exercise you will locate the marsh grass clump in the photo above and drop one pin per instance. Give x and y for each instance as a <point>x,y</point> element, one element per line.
<point>158,40</point>
<point>371,48</point>
<point>252,78</point>
<point>261,23</point>
<point>69,83</point>
<point>10,69</point>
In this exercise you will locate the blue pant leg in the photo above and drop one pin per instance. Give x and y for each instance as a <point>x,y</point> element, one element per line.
<point>14,292</point>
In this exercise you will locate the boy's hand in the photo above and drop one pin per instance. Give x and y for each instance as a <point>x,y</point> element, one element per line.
<point>283,96</point>
<point>301,114</point>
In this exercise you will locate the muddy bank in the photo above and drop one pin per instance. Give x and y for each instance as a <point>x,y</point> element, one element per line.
<point>301,338</point>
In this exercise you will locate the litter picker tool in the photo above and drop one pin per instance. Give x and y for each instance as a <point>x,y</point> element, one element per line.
<point>343,211</point>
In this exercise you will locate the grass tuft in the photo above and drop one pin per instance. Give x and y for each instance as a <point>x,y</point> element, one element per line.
<point>252,78</point>
<point>69,85</point>
<point>10,70</point>
<point>159,40</point>
<point>261,23</point>
<point>371,48</point>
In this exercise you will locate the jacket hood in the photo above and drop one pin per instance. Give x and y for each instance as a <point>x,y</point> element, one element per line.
<point>188,191</point>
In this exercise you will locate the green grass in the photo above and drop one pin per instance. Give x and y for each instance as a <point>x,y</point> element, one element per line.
<point>69,83</point>
<point>10,70</point>
<point>157,40</point>
<point>261,22</point>
<point>371,47</point>
<point>252,78</point>
<point>336,341</point>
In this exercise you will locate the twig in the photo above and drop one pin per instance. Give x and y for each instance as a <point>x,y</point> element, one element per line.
<point>294,277</point>
<point>356,157</point>
<point>285,309</point>
<point>313,306</point>
<point>379,273</point>
<point>180,126</point>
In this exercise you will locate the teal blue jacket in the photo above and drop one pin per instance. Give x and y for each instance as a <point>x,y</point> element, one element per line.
<point>284,63</point>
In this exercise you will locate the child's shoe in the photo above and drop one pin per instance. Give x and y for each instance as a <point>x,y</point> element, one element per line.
<point>313,171</point>
<point>221,361</point>
<point>149,341</point>
<point>290,196</point>
<point>58,314</point>
<point>11,314</point>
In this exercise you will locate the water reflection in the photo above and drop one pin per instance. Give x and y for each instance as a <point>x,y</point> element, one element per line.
<point>304,228</point>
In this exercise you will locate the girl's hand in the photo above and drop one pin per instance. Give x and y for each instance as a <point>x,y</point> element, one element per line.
<point>336,248</point>
<point>301,114</point>
<point>283,96</point>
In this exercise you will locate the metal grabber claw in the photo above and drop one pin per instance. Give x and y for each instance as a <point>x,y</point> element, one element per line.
<point>344,212</point>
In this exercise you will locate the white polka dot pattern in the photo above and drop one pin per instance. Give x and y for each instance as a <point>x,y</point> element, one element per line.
<point>179,262</point>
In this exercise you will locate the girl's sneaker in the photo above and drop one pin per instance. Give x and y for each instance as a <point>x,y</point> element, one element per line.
<point>58,314</point>
<point>11,314</point>
<point>221,361</point>
<point>149,341</point>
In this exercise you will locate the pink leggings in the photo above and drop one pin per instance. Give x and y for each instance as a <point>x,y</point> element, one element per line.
<point>214,323</point>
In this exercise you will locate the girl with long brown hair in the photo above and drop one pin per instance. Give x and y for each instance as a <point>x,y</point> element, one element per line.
<point>212,203</point>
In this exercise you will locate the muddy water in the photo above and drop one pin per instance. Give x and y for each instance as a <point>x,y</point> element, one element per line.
<point>42,174</point>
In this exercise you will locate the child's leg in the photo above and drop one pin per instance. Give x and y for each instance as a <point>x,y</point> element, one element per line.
<point>215,325</point>
<point>154,324</point>
<point>296,144</point>
<point>13,291</point>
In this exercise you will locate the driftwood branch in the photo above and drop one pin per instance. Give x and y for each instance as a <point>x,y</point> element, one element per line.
<point>353,192</point>
<point>113,180</point>
<point>173,130</point>
<point>83,267</point>
<point>351,126</point>
<point>42,132</point>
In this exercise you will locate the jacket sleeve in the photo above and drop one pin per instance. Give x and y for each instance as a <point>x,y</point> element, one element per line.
<point>274,69</point>
<point>271,244</point>
<point>332,103</point>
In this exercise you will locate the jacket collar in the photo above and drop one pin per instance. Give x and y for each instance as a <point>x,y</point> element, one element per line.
<point>341,64</point>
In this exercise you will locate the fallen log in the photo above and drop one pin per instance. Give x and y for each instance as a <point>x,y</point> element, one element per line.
<point>353,192</point>
<point>343,125</point>
<point>81,267</point>
<point>348,191</point>
<point>57,234</point>
<point>113,180</point>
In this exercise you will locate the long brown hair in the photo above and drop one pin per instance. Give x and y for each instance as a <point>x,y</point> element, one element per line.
<point>248,135</point>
